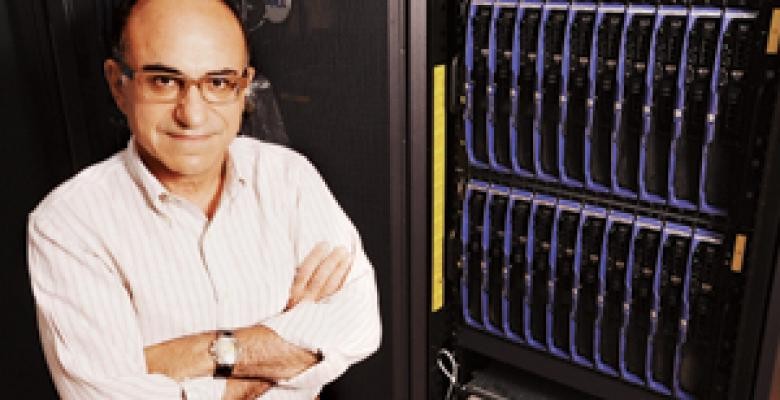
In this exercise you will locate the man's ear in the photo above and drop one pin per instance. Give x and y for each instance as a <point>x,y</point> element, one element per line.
<point>245,99</point>
<point>250,76</point>
<point>116,83</point>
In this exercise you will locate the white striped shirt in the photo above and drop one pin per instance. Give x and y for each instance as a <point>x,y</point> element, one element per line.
<point>118,263</point>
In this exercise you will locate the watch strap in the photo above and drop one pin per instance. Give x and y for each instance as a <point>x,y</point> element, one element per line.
<point>223,371</point>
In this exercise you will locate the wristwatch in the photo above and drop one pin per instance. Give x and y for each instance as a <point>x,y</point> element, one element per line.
<point>224,349</point>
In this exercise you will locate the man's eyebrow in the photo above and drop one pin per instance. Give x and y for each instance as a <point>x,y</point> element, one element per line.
<point>171,70</point>
<point>225,71</point>
<point>160,68</point>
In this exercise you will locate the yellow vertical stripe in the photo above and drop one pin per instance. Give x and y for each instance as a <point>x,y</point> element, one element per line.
<point>773,38</point>
<point>437,182</point>
<point>738,256</point>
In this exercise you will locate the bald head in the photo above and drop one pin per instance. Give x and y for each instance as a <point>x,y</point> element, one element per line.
<point>155,16</point>
<point>186,46</point>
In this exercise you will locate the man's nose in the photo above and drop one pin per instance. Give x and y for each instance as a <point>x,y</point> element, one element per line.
<point>191,110</point>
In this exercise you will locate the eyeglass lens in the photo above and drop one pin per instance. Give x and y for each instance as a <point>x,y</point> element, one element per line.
<point>165,87</point>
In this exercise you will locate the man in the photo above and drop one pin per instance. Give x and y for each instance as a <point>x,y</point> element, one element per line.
<point>194,264</point>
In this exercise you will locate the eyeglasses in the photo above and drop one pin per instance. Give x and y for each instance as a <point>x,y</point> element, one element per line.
<point>162,84</point>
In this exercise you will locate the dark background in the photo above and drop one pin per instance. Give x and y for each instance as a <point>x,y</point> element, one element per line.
<point>32,174</point>
<point>329,66</point>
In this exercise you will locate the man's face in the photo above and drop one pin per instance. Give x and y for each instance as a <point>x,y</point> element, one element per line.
<point>188,137</point>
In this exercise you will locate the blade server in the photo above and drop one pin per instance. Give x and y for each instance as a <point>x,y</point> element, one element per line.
<point>602,146</point>
<point>628,295</point>
<point>637,101</point>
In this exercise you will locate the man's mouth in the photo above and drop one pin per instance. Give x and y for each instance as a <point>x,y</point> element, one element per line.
<point>189,136</point>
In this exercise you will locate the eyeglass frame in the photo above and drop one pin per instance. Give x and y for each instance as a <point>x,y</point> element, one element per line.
<point>243,81</point>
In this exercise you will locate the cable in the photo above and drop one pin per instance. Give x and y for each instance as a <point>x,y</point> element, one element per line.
<point>450,373</point>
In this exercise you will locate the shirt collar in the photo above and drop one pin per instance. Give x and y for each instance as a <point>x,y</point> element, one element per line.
<point>157,194</point>
<point>237,171</point>
<point>150,186</point>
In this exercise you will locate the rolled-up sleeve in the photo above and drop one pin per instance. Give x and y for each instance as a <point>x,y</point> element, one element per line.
<point>345,327</point>
<point>87,323</point>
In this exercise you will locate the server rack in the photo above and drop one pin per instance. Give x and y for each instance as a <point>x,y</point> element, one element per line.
<point>611,211</point>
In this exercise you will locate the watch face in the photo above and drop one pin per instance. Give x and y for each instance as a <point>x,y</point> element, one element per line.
<point>225,350</point>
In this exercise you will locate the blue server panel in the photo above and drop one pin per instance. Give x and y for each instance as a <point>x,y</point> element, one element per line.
<point>632,91</point>
<point>541,260</point>
<point>642,267</point>
<point>592,231</point>
<point>477,55</point>
<point>696,67</point>
<point>559,327</point>
<point>549,90</point>
<point>603,142</point>
<point>668,305</point>
<point>729,110</point>
<point>500,103</point>
<point>662,102</point>
<point>603,91</point>
<point>493,277</point>
<point>516,286</point>
<point>614,280</point>
<point>576,111</point>
<point>626,294</point>
<point>529,15</point>
<point>643,102</point>
<point>700,323</point>
<point>473,237</point>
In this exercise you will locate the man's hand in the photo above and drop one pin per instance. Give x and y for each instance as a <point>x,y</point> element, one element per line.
<point>265,355</point>
<point>244,389</point>
<point>321,274</point>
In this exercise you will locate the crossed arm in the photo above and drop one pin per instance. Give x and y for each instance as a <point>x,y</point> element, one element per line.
<point>100,353</point>
<point>264,357</point>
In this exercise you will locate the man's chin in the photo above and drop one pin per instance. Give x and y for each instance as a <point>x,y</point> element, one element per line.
<point>191,167</point>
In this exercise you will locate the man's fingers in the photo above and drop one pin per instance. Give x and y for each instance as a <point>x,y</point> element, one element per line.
<point>302,275</point>
<point>257,389</point>
<point>320,274</point>
<point>324,272</point>
<point>244,389</point>
<point>336,279</point>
